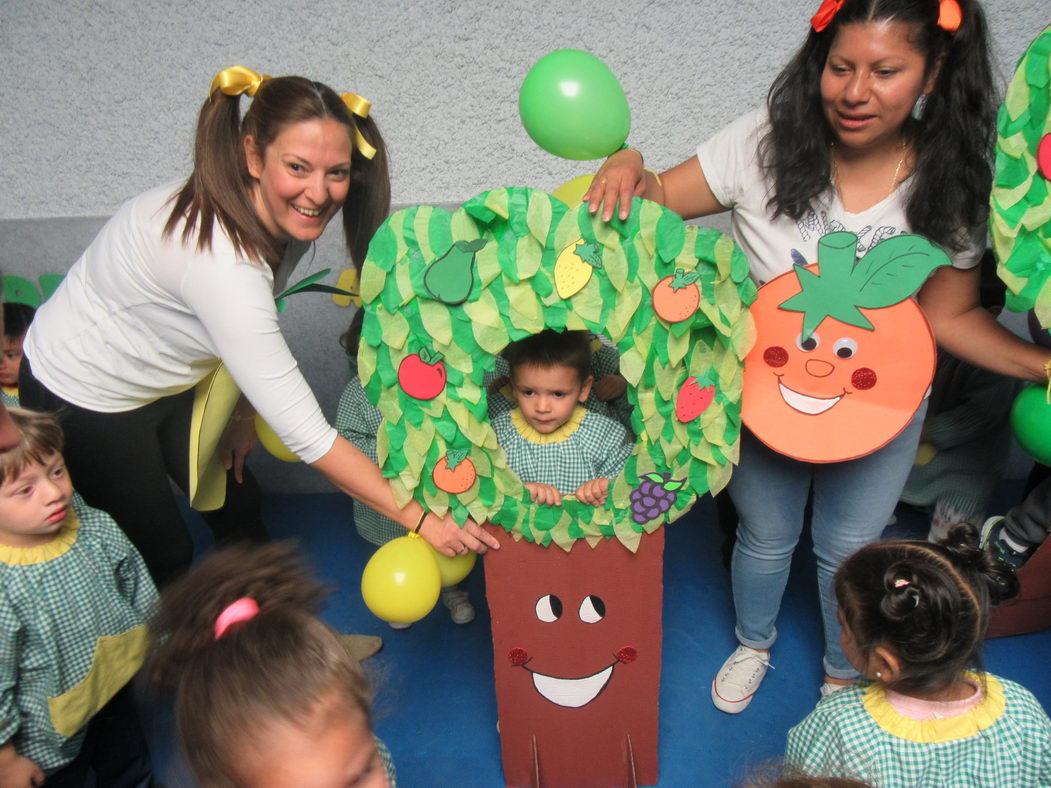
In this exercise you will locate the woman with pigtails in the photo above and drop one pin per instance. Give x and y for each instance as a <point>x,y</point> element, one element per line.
<point>183,277</point>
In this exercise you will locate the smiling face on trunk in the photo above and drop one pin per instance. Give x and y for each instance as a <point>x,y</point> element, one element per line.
<point>843,391</point>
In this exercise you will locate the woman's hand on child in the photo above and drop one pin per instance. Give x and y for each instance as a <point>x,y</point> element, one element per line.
<point>543,494</point>
<point>593,492</point>
<point>18,771</point>
<point>610,387</point>
<point>621,178</point>
<point>446,536</point>
<point>239,438</point>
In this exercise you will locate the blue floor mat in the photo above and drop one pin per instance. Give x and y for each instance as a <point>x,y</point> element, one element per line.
<point>435,706</point>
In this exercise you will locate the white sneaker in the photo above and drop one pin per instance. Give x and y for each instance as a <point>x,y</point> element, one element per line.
<point>461,611</point>
<point>739,678</point>
<point>828,687</point>
<point>398,625</point>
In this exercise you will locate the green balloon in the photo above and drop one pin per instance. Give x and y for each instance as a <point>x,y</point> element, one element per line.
<point>1031,422</point>
<point>573,106</point>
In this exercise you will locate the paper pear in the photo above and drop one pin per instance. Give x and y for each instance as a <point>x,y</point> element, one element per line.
<point>449,278</point>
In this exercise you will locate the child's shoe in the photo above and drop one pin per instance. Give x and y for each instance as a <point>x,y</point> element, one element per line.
<point>455,599</point>
<point>739,678</point>
<point>398,625</point>
<point>1007,551</point>
<point>829,687</point>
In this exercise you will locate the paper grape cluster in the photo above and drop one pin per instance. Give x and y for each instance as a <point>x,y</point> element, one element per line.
<point>654,496</point>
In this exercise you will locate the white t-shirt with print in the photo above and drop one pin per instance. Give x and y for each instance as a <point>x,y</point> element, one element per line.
<point>730,162</point>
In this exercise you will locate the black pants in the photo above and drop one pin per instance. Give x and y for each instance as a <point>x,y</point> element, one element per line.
<point>1030,522</point>
<point>121,463</point>
<point>114,750</point>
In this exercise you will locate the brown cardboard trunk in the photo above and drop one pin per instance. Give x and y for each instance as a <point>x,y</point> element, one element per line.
<point>1030,611</point>
<point>565,738</point>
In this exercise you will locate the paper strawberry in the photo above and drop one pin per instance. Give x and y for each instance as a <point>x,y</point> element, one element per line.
<point>694,398</point>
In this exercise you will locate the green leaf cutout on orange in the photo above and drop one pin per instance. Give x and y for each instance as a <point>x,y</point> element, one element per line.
<point>888,274</point>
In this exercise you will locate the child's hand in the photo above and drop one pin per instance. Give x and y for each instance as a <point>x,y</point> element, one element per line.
<point>543,494</point>
<point>610,387</point>
<point>593,492</point>
<point>17,771</point>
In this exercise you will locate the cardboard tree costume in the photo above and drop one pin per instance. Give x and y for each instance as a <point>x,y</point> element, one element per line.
<point>575,591</point>
<point>1020,223</point>
<point>1020,215</point>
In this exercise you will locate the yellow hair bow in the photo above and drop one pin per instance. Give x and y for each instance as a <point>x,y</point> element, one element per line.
<point>236,80</point>
<point>360,107</point>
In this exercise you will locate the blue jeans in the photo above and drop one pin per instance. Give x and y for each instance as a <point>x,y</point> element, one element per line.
<point>852,503</point>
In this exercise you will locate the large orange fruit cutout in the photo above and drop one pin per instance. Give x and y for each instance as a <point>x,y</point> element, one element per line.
<point>833,374</point>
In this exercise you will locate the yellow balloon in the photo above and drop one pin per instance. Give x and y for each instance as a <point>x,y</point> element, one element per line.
<point>401,581</point>
<point>572,191</point>
<point>271,442</point>
<point>454,569</point>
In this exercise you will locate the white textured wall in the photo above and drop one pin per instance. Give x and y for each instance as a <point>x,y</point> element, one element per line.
<point>98,99</point>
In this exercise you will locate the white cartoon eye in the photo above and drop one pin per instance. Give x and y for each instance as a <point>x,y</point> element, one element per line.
<point>808,344</point>
<point>592,609</point>
<point>845,347</point>
<point>548,608</point>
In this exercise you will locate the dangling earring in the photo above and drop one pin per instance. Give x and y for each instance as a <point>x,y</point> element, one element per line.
<point>879,675</point>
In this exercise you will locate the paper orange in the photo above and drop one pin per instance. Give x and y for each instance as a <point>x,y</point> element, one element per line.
<point>840,391</point>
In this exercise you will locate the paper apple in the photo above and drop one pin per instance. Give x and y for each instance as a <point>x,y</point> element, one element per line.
<point>422,375</point>
<point>843,356</point>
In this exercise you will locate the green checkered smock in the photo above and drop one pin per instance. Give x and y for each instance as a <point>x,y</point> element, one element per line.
<point>388,761</point>
<point>588,446</point>
<point>1003,742</point>
<point>72,632</point>
<point>358,420</point>
<point>9,396</point>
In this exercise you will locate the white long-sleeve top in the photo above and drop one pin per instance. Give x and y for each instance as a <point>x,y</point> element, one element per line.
<point>141,316</point>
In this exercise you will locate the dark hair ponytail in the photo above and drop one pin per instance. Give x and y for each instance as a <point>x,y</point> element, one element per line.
<point>928,602</point>
<point>277,665</point>
<point>953,133</point>
<point>218,189</point>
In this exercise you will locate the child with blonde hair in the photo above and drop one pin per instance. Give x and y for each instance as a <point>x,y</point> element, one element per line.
<point>74,599</point>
